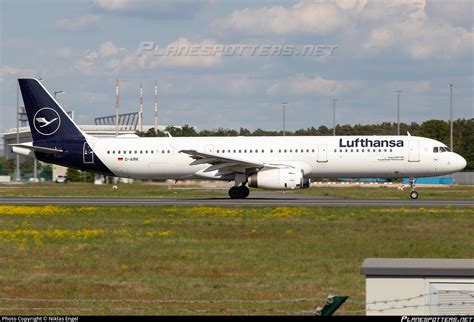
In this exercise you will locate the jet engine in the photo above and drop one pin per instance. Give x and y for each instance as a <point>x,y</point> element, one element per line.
<point>286,178</point>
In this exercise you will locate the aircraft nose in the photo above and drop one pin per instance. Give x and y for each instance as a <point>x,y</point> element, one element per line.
<point>460,163</point>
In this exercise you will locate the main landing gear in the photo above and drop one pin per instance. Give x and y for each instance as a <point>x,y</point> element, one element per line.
<point>413,192</point>
<point>239,192</point>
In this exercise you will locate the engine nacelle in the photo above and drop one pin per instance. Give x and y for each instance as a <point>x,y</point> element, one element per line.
<point>287,178</point>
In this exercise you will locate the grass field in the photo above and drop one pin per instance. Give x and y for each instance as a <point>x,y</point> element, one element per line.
<point>207,253</point>
<point>159,190</point>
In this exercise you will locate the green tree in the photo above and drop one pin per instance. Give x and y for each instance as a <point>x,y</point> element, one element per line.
<point>7,166</point>
<point>436,130</point>
<point>74,175</point>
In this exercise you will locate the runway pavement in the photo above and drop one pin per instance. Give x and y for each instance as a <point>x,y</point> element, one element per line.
<point>256,199</point>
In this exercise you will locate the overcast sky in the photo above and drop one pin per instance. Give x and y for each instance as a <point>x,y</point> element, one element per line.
<point>378,47</point>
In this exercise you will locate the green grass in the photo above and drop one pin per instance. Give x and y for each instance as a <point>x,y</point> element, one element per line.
<point>160,190</point>
<point>210,253</point>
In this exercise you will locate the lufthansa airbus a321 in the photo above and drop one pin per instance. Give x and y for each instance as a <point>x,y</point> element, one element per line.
<point>263,162</point>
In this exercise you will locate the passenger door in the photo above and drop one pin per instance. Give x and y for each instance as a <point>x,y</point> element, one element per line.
<point>322,153</point>
<point>414,152</point>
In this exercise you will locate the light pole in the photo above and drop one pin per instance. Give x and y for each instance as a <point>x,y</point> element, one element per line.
<point>17,165</point>
<point>451,116</point>
<point>334,116</point>
<point>140,115</point>
<point>284,117</point>
<point>398,111</point>
<point>117,88</point>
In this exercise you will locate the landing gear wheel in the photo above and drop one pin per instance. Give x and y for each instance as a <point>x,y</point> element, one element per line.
<point>234,193</point>
<point>239,192</point>
<point>414,194</point>
<point>244,191</point>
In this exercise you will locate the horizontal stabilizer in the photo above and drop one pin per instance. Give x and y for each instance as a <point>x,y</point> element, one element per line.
<point>29,148</point>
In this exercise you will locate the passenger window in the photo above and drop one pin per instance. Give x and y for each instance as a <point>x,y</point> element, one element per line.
<point>346,150</point>
<point>279,150</point>
<point>352,150</point>
<point>357,150</point>
<point>256,150</point>
<point>362,150</point>
<point>307,150</point>
<point>217,151</point>
<point>240,151</point>
<point>384,150</point>
<point>271,151</point>
<point>135,151</point>
<point>284,150</point>
<point>108,152</point>
<point>168,151</point>
<point>250,151</point>
<point>312,150</point>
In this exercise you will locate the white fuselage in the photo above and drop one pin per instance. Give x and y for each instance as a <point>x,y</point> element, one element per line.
<point>317,156</point>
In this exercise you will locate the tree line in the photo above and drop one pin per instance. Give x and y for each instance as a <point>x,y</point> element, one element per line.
<point>463,133</point>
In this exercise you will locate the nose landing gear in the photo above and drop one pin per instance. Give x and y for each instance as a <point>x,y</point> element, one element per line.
<point>413,192</point>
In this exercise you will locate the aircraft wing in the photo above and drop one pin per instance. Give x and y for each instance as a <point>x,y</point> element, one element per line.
<point>225,165</point>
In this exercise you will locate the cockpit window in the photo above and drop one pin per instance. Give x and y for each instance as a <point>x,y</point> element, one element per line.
<point>441,149</point>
